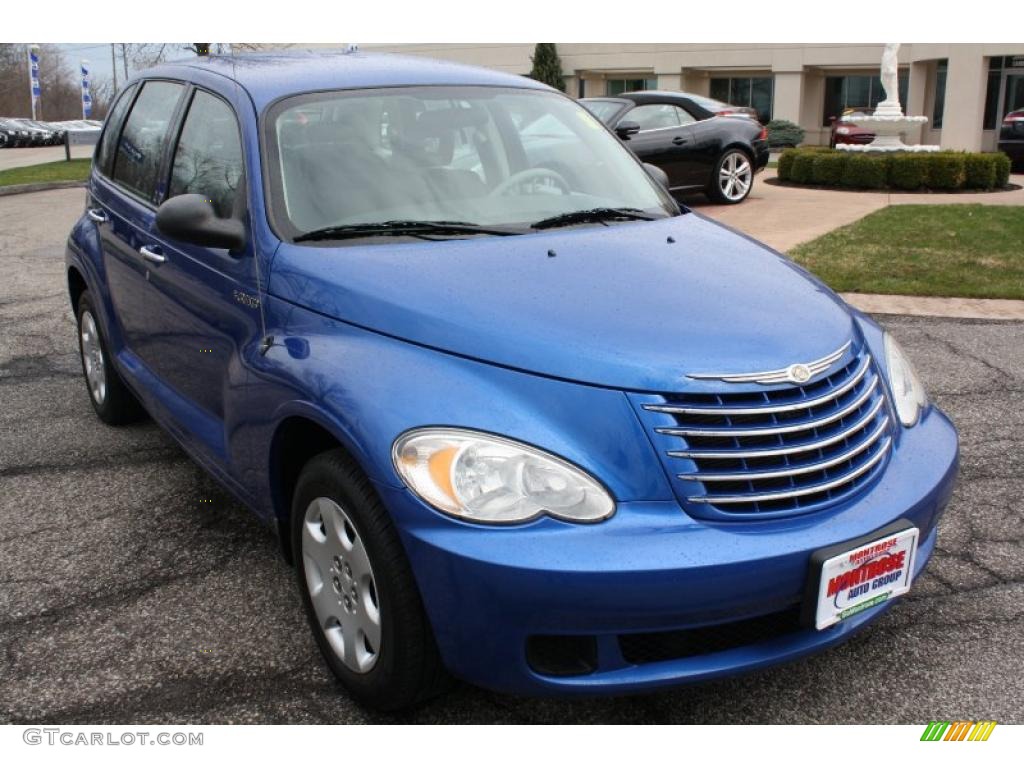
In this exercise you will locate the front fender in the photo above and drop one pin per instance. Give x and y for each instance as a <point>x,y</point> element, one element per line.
<point>367,388</point>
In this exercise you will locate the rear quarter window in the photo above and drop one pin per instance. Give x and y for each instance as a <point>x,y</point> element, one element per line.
<point>104,161</point>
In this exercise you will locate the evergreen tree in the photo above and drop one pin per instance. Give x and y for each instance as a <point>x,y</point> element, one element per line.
<point>547,67</point>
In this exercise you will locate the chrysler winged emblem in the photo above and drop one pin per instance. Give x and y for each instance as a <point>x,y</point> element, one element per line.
<point>797,373</point>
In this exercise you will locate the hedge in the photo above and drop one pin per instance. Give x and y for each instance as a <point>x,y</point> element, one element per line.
<point>820,166</point>
<point>803,164</point>
<point>865,172</point>
<point>827,169</point>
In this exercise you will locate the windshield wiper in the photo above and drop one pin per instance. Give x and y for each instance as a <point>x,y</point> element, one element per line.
<point>399,227</point>
<point>593,214</point>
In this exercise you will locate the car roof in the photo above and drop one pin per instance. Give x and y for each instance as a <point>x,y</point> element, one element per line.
<point>659,95</point>
<point>268,76</point>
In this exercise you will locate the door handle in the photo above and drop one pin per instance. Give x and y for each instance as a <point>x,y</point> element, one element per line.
<point>678,140</point>
<point>152,256</point>
<point>97,214</point>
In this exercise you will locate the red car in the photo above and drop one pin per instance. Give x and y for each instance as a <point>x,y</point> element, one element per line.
<point>845,130</point>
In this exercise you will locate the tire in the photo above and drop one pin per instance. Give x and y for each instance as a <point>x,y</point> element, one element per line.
<point>366,614</point>
<point>110,397</point>
<point>733,166</point>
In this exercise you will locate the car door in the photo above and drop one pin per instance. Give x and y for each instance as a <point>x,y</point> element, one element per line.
<point>122,201</point>
<point>703,150</point>
<point>207,299</point>
<point>664,139</point>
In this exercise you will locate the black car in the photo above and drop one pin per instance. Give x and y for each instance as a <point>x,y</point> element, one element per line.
<point>1011,138</point>
<point>697,145</point>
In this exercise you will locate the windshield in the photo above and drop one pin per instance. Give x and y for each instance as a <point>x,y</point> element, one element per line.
<point>493,157</point>
<point>604,110</point>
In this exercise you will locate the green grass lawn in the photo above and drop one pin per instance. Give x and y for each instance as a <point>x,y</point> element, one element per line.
<point>62,170</point>
<point>974,251</point>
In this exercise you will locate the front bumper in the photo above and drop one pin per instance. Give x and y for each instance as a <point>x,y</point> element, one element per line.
<point>650,568</point>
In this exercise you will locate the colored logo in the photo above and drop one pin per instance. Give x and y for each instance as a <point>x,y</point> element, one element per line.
<point>958,730</point>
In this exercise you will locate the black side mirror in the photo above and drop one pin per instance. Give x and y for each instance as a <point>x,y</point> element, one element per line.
<point>626,128</point>
<point>193,219</point>
<point>657,174</point>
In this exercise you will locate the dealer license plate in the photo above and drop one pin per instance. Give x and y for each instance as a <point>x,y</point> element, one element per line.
<point>864,576</point>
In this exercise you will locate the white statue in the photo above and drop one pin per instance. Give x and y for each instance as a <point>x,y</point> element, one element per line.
<point>890,81</point>
<point>888,123</point>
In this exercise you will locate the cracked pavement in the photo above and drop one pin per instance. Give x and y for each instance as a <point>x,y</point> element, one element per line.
<point>134,590</point>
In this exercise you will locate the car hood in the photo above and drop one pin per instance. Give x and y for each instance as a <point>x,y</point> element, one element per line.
<point>631,305</point>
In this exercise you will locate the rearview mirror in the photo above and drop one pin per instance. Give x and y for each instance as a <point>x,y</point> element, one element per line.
<point>657,174</point>
<point>626,128</point>
<point>193,219</point>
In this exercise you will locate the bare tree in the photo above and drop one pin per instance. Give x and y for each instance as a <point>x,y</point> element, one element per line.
<point>59,84</point>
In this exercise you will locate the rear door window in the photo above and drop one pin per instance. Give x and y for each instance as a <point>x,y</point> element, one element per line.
<point>140,150</point>
<point>208,158</point>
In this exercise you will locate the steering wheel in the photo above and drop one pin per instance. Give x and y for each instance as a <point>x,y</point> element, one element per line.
<point>528,175</point>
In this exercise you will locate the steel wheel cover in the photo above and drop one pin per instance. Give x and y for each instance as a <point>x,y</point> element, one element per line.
<point>92,358</point>
<point>341,585</point>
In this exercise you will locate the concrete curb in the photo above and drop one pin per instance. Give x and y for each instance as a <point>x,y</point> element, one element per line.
<point>934,306</point>
<point>43,186</point>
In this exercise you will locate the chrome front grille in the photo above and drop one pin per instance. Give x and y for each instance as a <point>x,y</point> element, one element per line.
<point>774,449</point>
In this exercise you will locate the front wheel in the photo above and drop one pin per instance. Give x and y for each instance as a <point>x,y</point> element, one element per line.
<point>733,178</point>
<point>358,589</point>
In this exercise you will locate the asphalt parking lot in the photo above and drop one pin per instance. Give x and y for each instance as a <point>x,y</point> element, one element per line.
<point>133,590</point>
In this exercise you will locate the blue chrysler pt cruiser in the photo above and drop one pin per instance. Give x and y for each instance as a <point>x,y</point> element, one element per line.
<point>516,416</point>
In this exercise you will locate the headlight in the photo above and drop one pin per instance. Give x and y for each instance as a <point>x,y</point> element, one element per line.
<point>488,479</point>
<point>907,390</point>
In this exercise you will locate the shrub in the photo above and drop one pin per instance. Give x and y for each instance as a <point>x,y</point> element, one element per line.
<point>979,170</point>
<point>803,166</point>
<point>946,170</point>
<point>900,170</point>
<point>908,170</point>
<point>1002,163</point>
<point>827,168</point>
<point>865,172</point>
<point>782,133</point>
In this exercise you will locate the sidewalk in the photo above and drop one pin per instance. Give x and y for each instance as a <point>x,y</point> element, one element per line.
<point>933,306</point>
<point>784,217</point>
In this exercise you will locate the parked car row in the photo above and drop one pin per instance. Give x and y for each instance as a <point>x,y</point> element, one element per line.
<point>22,132</point>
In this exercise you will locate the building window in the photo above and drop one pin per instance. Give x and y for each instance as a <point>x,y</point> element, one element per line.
<point>753,92</point>
<point>995,79</point>
<point>615,87</point>
<point>940,93</point>
<point>857,93</point>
